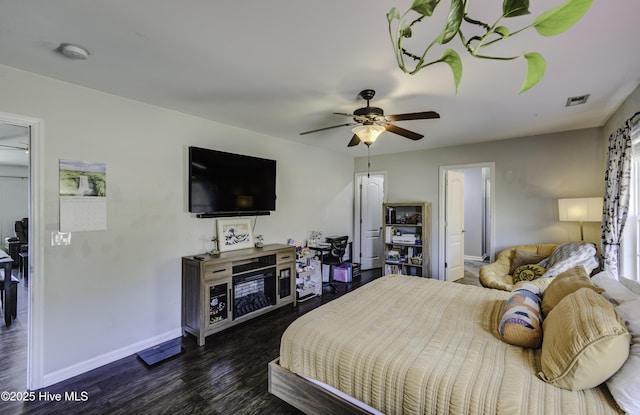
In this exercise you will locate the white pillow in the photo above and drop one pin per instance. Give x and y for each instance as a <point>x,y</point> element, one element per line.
<point>624,385</point>
<point>630,284</point>
<point>614,291</point>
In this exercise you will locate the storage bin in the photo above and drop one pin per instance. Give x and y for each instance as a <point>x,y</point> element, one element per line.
<point>342,272</point>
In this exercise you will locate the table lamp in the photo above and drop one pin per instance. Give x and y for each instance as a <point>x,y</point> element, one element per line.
<point>583,209</point>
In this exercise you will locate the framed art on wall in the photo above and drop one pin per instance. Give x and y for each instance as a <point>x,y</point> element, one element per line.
<point>234,233</point>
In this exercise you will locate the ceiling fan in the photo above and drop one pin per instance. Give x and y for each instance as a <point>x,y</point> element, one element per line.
<point>373,122</point>
<point>10,147</point>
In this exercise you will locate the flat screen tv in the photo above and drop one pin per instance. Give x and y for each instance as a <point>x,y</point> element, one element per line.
<point>227,184</point>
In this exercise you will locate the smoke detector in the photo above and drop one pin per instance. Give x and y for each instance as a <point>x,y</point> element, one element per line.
<point>73,51</point>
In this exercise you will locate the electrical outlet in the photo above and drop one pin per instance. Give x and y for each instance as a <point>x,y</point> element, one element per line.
<point>60,238</point>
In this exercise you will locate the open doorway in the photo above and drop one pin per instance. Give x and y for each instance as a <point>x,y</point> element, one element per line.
<point>14,244</point>
<point>28,361</point>
<point>478,205</point>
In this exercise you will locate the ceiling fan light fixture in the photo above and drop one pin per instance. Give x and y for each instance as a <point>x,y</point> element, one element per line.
<point>368,133</point>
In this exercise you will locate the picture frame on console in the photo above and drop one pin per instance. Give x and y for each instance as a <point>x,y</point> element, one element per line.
<point>234,233</point>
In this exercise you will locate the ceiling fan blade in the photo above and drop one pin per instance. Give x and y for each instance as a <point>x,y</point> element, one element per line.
<point>413,116</point>
<point>328,128</point>
<point>13,147</point>
<point>401,131</point>
<point>355,140</point>
<point>343,113</point>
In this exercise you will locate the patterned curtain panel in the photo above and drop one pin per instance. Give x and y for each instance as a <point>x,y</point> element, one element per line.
<point>616,196</point>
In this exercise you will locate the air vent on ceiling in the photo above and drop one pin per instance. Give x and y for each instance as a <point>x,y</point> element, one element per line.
<point>571,101</point>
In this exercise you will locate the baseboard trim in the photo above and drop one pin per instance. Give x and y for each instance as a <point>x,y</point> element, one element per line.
<point>94,363</point>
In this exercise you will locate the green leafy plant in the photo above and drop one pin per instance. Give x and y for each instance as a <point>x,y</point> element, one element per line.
<point>458,24</point>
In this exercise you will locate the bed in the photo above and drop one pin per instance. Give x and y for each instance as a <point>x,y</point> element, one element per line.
<point>406,345</point>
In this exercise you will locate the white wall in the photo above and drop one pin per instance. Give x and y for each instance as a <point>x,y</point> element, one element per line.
<point>531,174</point>
<point>14,198</point>
<point>115,290</point>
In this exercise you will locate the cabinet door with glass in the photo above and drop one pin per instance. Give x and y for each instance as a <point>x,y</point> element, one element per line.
<point>217,303</point>
<point>286,275</point>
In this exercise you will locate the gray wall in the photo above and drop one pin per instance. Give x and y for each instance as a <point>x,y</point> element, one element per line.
<point>531,174</point>
<point>14,198</point>
<point>112,293</point>
<point>473,212</point>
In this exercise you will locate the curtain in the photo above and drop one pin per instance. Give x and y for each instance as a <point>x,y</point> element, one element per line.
<point>616,195</point>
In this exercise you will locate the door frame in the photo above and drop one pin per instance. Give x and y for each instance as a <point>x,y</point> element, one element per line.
<point>357,209</point>
<point>441,210</point>
<point>35,295</point>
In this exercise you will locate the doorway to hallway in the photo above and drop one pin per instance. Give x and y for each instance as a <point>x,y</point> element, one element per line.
<point>478,205</point>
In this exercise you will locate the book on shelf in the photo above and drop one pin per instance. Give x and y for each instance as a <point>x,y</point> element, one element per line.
<point>392,269</point>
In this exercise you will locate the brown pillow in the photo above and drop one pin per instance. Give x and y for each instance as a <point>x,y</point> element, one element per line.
<point>585,342</point>
<point>565,284</point>
<point>522,257</point>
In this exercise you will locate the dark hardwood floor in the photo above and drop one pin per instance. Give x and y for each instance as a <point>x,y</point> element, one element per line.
<point>228,375</point>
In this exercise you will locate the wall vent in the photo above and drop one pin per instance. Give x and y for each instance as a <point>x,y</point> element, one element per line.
<point>571,101</point>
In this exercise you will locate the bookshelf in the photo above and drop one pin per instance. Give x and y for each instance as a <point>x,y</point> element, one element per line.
<point>407,248</point>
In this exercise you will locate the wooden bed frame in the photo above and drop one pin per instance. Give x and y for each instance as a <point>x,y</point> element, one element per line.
<point>307,396</point>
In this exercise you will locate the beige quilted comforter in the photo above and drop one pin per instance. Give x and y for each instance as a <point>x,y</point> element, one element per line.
<point>407,345</point>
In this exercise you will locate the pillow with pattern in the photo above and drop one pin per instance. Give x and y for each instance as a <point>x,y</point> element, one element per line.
<point>521,322</point>
<point>528,272</point>
<point>524,257</point>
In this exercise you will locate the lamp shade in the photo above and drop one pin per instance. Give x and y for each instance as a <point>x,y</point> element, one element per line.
<point>585,209</point>
<point>368,133</point>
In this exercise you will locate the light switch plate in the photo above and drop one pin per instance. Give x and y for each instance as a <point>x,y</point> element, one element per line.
<point>60,238</point>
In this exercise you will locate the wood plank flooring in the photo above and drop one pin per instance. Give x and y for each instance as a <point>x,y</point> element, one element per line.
<point>226,376</point>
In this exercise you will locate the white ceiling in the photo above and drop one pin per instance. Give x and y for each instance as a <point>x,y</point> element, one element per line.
<point>281,67</point>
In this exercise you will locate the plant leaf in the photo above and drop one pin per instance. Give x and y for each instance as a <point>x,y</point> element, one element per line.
<point>393,14</point>
<point>559,19</point>
<point>405,30</point>
<point>424,7</point>
<point>451,58</point>
<point>536,66</point>
<point>502,31</point>
<point>454,20</point>
<point>512,8</point>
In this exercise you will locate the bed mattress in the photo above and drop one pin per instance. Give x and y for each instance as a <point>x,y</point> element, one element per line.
<point>407,345</point>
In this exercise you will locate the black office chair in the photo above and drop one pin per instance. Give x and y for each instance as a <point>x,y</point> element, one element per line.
<point>334,257</point>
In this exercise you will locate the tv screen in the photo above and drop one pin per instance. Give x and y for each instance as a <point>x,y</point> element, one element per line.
<point>225,183</point>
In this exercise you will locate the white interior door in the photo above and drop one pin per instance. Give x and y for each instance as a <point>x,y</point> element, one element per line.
<point>371,200</point>
<point>454,226</point>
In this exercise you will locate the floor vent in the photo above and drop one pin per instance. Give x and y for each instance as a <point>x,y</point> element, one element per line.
<point>161,352</point>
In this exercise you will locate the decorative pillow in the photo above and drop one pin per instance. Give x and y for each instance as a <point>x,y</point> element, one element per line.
<point>585,342</point>
<point>527,272</point>
<point>634,286</point>
<point>522,257</point>
<point>614,291</point>
<point>625,384</point>
<point>565,284</point>
<point>521,324</point>
<point>570,255</point>
<point>541,283</point>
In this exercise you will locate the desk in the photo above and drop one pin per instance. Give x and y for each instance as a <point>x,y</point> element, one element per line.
<point>10,283</point>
